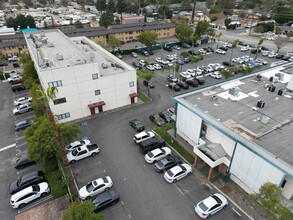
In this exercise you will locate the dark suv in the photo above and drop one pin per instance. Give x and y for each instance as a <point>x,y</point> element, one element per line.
<point>26,181</point>
<point>151,144</point>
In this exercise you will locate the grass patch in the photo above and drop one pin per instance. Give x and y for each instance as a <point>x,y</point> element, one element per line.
<point>162,131</point>
<point>57,184</point>
<point>143,97</point>
<point>55,178</point>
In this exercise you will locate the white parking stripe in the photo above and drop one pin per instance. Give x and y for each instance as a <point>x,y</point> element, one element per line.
<point>20,145</point>
<point>7,147</point>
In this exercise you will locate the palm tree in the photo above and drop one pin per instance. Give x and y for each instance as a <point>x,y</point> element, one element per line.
<point>43,99</point>
<point>212,34</point>
<point>234,45</point>
<point>259,46</point>
<point>218,35</point>
<point>148,75</point>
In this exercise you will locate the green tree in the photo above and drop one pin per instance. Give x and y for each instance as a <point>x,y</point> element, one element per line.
<point>183,32</point>
<point>121,7</point>
<point>113,41</point>
<point>234,45</point>
<point>228,22</point>
<point>101,5</point>
<point>41,141</point>
<point>106,19</point>
<point>148,38</point>
<point>78,24</point>
<point>260,42</point>
<point>212,34</point>
<point>30,75</point>
<point>81,211</point>
<point>148,75</point>
<point>111,6</point>
<point>269,197</point>
<point>201,27</point>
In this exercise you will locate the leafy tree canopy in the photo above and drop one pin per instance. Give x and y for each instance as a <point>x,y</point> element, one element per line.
<point>111,6</point>
<point>81,211</point>
<point>269,197</point>
<point>21,21</point>
<point>113,41</point>
<point>30,74</point>
<point>148,38</point>
<point>121,6</point>
<point>183,32</point>
<point>106,19</point>
<point>201,27</point>
<point>101,5</point>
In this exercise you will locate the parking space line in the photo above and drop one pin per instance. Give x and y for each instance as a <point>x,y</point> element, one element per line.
<point>179,189</point>
<point>7,147</point>
<point>26,118</point>
<point>39,201</point>
<point>20,145</point>
<point>19,138</point>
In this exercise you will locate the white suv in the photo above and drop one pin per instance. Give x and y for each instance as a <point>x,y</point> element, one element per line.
<point>22,109</point>
<point>23,100</point>
<point>29,194</point>
<point>142,136</point>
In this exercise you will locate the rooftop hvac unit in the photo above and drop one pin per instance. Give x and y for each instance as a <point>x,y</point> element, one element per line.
<point>271,88</point>
<point>260,104</point>
<point>281,92</point>
<point>265,119</point>
<point>258,77</point>
<point>44,40</point>
<point>234,91</point>
<point>59,57</point>
<point>280,76</point>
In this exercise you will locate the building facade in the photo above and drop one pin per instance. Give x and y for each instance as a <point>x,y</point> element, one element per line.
<point>14,44</point>
<point>89,79</point>
<point>241,129</point>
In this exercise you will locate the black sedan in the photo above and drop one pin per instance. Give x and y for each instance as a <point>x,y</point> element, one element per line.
<point>182,84</point>
<point>149,84</point>
<point>105,199</point>
<point>174,86</point>
<point>191,82</point>
<point>137,125</point>
<point>200,81</point>
<point>167,163</point>
<point>167,48</point>
<point>23,162</point>
<point>26,181</point>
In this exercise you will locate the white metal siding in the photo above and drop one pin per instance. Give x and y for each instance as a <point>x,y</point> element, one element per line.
<point>252,170</point>
<point>215,136</point>
<point>188,123</point>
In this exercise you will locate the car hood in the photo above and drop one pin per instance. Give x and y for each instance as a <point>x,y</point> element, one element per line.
<point>13,187</point>
<point>83,193</point>
<point>70,156</point>
<point>15,110</point>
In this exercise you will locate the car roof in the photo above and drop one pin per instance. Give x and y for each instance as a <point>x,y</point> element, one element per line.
<point>209,202</point>
<point>32,174</point>
<point>21,193</point>
<point>21,122</point>
<point>143,133</point>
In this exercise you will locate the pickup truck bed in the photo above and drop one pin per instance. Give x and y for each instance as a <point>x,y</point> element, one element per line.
<point>92,147</point>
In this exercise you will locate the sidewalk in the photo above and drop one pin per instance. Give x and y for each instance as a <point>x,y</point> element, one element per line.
<point>237,196</point>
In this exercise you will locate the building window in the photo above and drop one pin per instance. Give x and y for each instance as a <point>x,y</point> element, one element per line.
<point>63,116</point>
<point>95,76</point>
<point>59,101</point>
<point>55,83</point>
<point>131,84</point>
<point>98,92</point>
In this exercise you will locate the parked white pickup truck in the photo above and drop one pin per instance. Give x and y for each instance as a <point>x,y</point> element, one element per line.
<point>82,152</point>
<point>12,59</point>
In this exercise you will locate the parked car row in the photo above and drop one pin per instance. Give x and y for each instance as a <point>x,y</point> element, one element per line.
<point>161,118</point>
<point>156,152</point>
<point>28,188</point>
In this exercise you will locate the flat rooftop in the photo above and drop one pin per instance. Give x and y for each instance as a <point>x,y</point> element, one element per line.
<point>234,104</point>
<point>52,49</point>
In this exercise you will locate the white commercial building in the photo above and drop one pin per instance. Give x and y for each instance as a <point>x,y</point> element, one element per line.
<point>242,129</point>
<point>89,79</point>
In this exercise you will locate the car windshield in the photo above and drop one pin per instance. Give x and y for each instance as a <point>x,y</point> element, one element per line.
<point>105,180</point>
<point>202,206</point>
<point>169,172</point>
<point>74,152</point>
<point>161,163</point>
<point>150,154</point>
<point>36,188</point>
<point>217,199</point>
<point>19,181</point>
<point>89,187</point>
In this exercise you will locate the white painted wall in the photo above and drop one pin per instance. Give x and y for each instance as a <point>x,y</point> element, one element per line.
<point>288,189</point>
<point>79,88</point>
<point>216,136</point>
<point>252,170</point>
<point>188,124</point>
